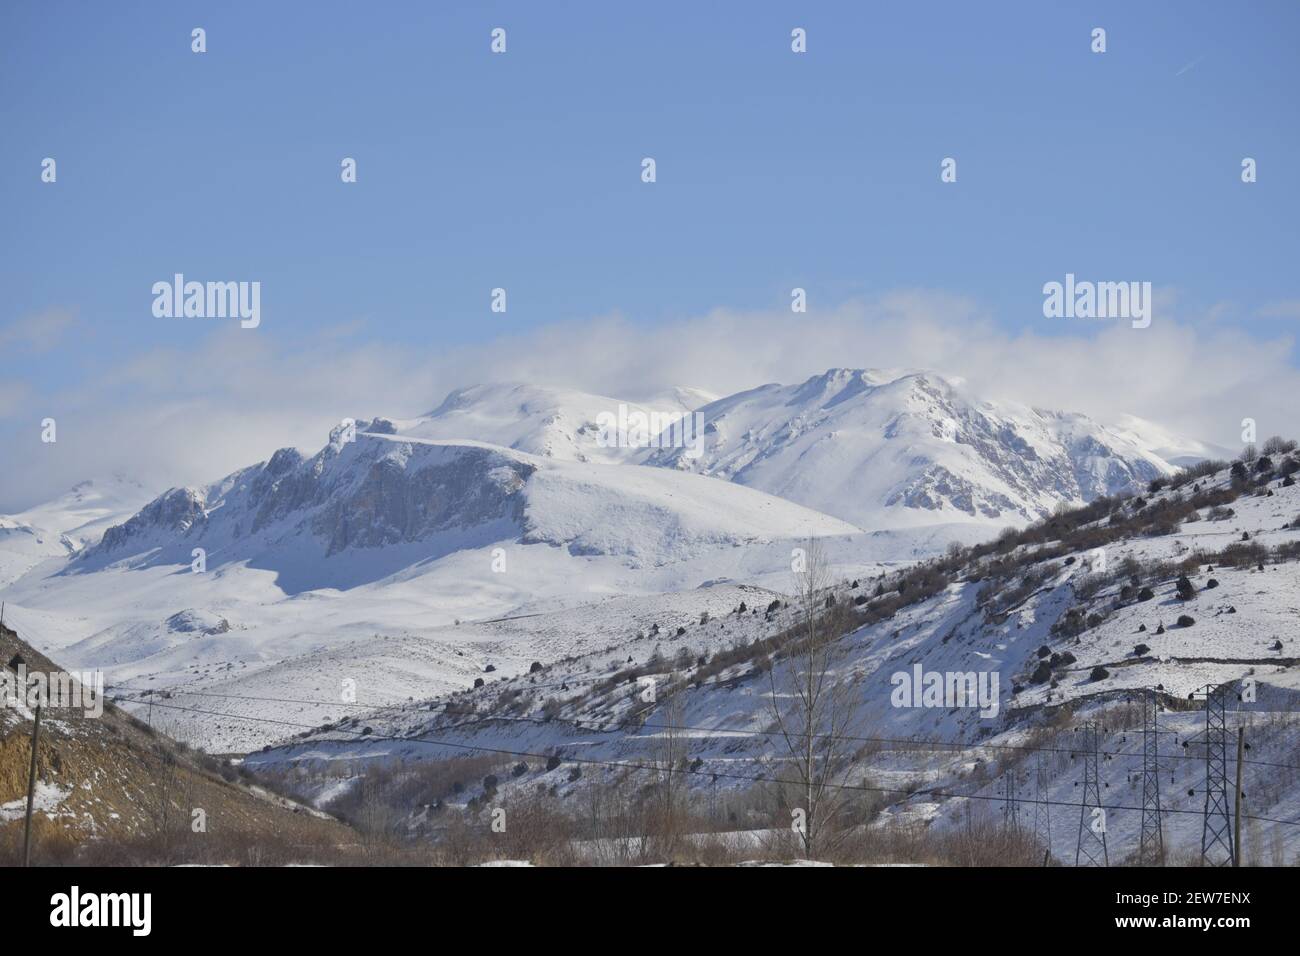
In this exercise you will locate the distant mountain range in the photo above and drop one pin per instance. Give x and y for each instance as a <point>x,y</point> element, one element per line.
<point>381,548</point>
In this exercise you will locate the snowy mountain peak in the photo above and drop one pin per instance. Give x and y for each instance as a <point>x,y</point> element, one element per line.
<point>894,448</point>
<point>549,422</point>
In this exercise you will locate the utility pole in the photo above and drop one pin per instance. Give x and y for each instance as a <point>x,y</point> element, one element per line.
<point>1217,846</point>
<point>1236,826</point>
<point>31,789</point>
<point>1151,848</point>
<point>1091,847</point>
<point>1011,804</point>
<point>1042,810</point>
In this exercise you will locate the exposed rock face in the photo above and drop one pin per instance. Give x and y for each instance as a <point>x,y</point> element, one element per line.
<point>177,511</point>
<point>197,622</point>
<point>392,503</point>
<point>362,493</point>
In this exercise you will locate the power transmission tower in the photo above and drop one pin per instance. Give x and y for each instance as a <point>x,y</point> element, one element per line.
<point>1217,847</point>
<point>1151,849</point>
<point>1042,812</point>
<point>1091,847</point>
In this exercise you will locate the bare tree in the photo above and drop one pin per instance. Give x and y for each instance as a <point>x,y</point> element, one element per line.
<point>814,707</point>
<point>670,759</point>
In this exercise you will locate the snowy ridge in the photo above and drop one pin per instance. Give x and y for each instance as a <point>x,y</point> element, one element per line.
<point>66,524</point>
<point>386,553</point>
<point>898,449</point>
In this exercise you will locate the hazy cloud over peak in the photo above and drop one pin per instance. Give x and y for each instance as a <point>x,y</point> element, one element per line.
<point>193,415</point>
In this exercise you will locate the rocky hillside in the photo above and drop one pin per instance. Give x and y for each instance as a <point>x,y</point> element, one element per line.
<point>114,789</point>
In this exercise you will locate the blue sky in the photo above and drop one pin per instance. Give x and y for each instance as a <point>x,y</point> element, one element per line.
<point>522,170</point>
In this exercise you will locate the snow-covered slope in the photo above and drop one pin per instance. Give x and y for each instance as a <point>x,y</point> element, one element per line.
<point>371,552</point>
<point>1174,448</point>
<point>549,422</point>
<point>898,449</point>
<point>66,524</point>
<point>85,510</point>
<point>360,508</point>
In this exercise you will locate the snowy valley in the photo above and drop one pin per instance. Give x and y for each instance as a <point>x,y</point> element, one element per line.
<point>498,581</point>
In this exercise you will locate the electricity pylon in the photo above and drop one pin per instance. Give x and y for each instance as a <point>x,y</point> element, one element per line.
<point>1217,846</point>
<point>1151,849</point>
<point>1091,847</point>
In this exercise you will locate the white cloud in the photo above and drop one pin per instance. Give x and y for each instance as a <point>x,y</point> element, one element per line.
<point>39,332</point>
<point>176,417</point>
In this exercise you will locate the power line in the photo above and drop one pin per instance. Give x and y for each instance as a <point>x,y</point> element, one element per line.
<point>594,726</point>
<point>933,792</point>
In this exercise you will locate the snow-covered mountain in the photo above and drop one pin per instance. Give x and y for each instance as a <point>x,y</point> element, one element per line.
<point>391,551</point>
<point>302,560</point>
<point>899,449</point>
<point>503,462</point>
<point>383,500</point>
<point>66,524</point>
